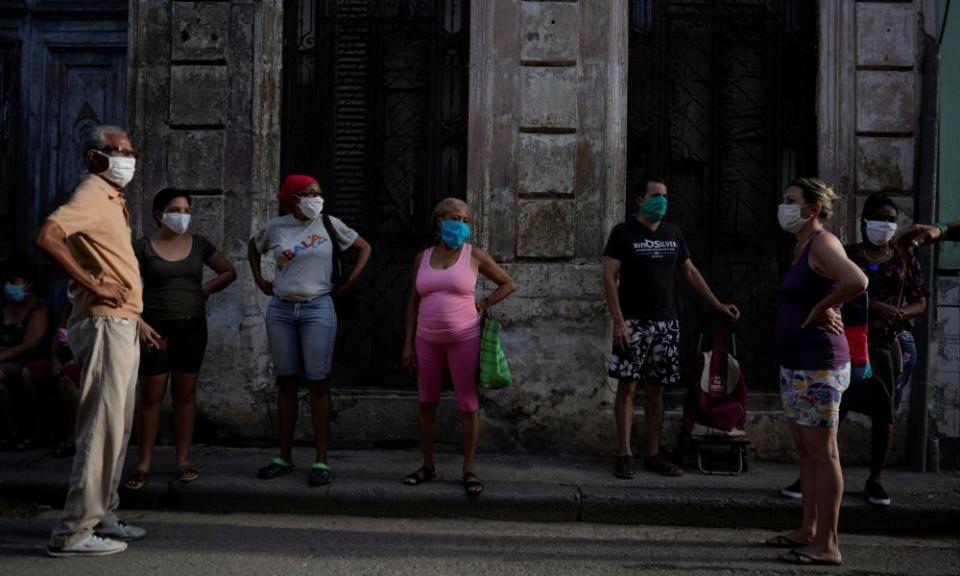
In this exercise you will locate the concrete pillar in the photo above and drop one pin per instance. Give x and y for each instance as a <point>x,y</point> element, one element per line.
<point>547,142</point>
<point>203,104</point>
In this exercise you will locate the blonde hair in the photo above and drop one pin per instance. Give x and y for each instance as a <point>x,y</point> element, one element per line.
<point>446,205</point>
<point>816,191</point>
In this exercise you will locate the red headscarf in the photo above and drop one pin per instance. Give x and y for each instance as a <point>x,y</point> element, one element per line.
<point>292,184</point>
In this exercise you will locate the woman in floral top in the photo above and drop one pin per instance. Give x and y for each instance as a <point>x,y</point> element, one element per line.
<point>897,294</point>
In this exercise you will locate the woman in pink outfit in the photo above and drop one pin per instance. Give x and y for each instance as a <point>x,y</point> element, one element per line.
<point>443,331</point>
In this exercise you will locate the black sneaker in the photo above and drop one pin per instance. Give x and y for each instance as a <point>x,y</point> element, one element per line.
<point>623,467</point>
<point>792,491</point>
<point>875,494</point>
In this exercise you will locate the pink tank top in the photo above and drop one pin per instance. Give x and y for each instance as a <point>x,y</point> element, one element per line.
<point>448,312</point>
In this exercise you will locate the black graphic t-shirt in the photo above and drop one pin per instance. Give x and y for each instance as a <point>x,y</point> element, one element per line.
<point>648,261</point>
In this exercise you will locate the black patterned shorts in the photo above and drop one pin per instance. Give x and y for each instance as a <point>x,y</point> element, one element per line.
<point>654,353</point>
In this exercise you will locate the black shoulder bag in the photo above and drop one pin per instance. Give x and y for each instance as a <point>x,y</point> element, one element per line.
<point>346,305</point>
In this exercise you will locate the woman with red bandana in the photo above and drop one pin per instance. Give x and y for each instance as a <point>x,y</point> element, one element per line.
<point>301,320</point>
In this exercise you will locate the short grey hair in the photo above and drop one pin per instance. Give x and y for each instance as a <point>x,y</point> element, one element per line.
<point>446,205</point>
<point>97,137</point>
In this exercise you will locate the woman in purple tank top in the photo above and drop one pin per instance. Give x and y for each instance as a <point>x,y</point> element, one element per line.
<point>814,364</point>
<point>443,331</point>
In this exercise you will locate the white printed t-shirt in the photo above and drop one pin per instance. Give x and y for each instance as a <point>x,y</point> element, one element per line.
<point>303,254</point>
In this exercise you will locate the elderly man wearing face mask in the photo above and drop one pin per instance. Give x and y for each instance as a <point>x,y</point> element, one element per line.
<point>89,237</point>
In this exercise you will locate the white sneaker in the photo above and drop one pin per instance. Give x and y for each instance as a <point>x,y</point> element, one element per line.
<point>92,545</point>
<point>120,531</point>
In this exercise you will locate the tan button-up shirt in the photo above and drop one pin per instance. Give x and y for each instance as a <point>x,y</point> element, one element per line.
<point>97,226</point>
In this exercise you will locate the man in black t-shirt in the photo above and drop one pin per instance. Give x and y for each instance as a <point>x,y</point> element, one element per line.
<point>639,263</point>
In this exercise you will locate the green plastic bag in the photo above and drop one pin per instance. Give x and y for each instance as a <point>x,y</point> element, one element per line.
<point>494,368</point>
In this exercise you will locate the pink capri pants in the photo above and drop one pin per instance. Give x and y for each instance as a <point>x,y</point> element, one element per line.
<point>461,358</point>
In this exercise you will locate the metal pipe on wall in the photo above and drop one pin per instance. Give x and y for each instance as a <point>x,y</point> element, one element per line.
<point>926,211</point>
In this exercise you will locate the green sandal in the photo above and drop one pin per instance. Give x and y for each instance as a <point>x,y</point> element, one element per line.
<point>320,475</point>
<point>276,468</point>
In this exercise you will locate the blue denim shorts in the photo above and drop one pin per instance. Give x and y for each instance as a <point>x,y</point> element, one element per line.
<point>302,335</point>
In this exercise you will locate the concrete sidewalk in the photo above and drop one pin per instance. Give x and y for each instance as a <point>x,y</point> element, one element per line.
<point>530,488</point>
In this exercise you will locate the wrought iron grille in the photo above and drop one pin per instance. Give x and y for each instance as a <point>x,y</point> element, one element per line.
<point>722,104</point>
<point>375,101</point>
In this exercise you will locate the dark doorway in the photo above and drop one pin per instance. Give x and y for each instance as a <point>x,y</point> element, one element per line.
<point>9,129</point>
<point>722,104</point>
<point>375,106</point>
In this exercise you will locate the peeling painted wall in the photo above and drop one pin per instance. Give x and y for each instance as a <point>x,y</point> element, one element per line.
<point>546,181</point>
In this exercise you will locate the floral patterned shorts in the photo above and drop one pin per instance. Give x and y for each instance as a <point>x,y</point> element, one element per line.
<point>812,397</point>
<point>654,353</point>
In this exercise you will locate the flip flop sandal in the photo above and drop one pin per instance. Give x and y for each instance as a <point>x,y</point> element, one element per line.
<point>135,480</point>
<point>784,542</point>
<point>799,558</point>
<point>423,474</point>
<point>188,473</point>
<point>472,484</point>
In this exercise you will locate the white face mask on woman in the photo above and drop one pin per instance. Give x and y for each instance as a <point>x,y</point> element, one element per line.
<point>879,233</point>
<point>176,222</point>
<point>789,217</point>
<point>311,207</point>
<point>120,169</point>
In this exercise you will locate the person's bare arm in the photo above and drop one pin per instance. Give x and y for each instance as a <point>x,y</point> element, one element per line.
<point>365,250</point>
<point>489,268</point>
<point>408,359</point>
<point>52,240</point>
<point>253,257</point>
<point>828,259</point>
<point>611,276</point>
<point>696,281</point>
<point>226,273</point>
<point>32,337</point>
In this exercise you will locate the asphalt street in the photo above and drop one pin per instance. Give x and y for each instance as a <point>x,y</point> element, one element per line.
<point>287,545</point>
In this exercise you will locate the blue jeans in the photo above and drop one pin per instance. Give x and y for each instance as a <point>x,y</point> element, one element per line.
<point>908,349</point>
<point>302,336</point>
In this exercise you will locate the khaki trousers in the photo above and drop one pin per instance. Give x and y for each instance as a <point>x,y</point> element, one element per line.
<point>108,352</point>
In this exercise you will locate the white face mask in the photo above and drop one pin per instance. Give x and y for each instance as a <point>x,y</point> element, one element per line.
<point>120,170</point>
<point>879,233</point>
<point>789,217</point>
<point>176,222</point>
<point>311,207</point>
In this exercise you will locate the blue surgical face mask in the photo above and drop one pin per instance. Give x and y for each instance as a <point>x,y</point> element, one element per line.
<point>654,208</point>
<point>15,292</point>
<point>454,233</point>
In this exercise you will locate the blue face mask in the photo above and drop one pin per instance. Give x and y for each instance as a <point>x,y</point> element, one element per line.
<point>454,233</point>
<point>654,208</point>
<point>14,292</point>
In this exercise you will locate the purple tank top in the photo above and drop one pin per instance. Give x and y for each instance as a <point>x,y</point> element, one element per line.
<point>813,347</point>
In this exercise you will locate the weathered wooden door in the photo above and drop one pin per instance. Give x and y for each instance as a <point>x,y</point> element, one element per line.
<point>82,87</point>
<point>64,70</point>
<point>375,99</point>
<point>722,104</point>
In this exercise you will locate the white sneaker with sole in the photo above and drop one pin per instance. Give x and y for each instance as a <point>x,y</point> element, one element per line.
<point>92,545</point>
<point>120,531</point>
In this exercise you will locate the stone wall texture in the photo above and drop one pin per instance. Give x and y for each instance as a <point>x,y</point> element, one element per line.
<point>546,181</point>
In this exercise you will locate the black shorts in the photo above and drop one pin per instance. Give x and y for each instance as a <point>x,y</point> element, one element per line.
<point>186,343</point>
<point>873,396</point>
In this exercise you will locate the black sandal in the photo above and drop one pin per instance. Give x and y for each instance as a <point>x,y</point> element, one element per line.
<point>472,484</point>
<point>423,474</point>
